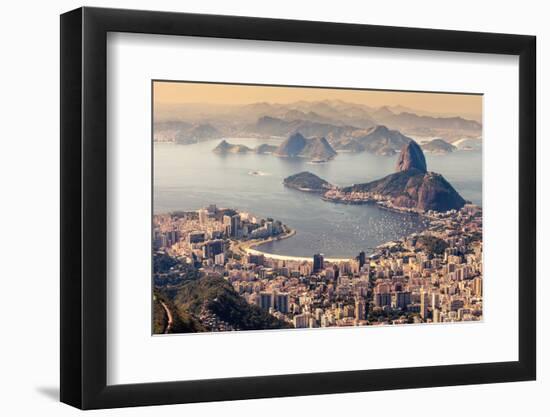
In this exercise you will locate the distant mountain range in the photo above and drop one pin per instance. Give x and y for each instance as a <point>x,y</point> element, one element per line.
<point>410,121</point>
<point>295,146</point>
<point>337,121</point>
<point>273,126</point>
<point>185,133</point>
<point>379,140</point>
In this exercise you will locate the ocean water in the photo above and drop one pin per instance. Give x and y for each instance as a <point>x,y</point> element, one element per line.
<point>188,177</point>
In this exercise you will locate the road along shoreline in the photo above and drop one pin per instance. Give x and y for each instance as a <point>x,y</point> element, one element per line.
<point>250,248</point>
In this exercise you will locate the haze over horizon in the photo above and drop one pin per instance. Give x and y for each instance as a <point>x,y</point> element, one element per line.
<point>173,93</point>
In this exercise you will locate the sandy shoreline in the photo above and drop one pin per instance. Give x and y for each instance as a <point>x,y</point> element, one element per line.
<point>293,258</point>
<point>250,249</point>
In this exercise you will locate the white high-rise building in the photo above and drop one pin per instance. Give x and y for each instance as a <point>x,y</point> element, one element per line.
<point>436,315</point>
<point>203,216</point>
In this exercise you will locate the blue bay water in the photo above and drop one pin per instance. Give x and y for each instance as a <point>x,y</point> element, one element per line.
<point>188,177</point>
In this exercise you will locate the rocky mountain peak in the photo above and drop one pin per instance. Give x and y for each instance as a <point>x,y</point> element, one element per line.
<point>411,157</point>
<point>380,129</point>
<point>292,146</point>
<point>222,145</point>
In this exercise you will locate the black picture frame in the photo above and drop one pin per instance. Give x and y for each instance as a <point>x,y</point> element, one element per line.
<point>84,207</point>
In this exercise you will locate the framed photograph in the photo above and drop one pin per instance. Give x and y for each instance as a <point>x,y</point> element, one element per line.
<point>258,208</point>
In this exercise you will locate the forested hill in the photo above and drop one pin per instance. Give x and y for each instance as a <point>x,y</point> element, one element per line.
<point>217,296</point>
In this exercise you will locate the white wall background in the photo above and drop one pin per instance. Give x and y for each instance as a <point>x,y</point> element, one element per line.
<point>29,172</point>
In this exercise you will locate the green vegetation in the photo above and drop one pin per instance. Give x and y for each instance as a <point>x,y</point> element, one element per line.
<point>190,296</point>
<point>160,319</point>
<point>218,296</point>
<point>431,244</point>
<point>163,262</point>
<point>182,322</point>
<point>168,270</point>
<point>306,181</point>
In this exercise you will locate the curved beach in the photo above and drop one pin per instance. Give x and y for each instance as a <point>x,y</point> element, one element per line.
<point>250,249</point>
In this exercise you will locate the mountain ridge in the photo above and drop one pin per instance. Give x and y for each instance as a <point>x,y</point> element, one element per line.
<point>334,119</point>
<point>411,187</point>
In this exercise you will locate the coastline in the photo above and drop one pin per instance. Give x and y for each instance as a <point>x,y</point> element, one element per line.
<point>305,190</point>
<point>379,204</point>
<point>245,248</point>
<point>250,248</point>
<point>293,258</point>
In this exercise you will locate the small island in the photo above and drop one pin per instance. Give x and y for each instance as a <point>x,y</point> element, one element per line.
<point>308,182</point>
<point>225,147</point>
<point>438,147</point>
<point>296,145</point>
<point>378,140</point>
<point>265,149</point>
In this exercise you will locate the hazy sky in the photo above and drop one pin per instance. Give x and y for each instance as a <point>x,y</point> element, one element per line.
<point>184,92</point>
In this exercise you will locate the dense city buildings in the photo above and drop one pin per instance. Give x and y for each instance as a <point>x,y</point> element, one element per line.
<point>434,276</point>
